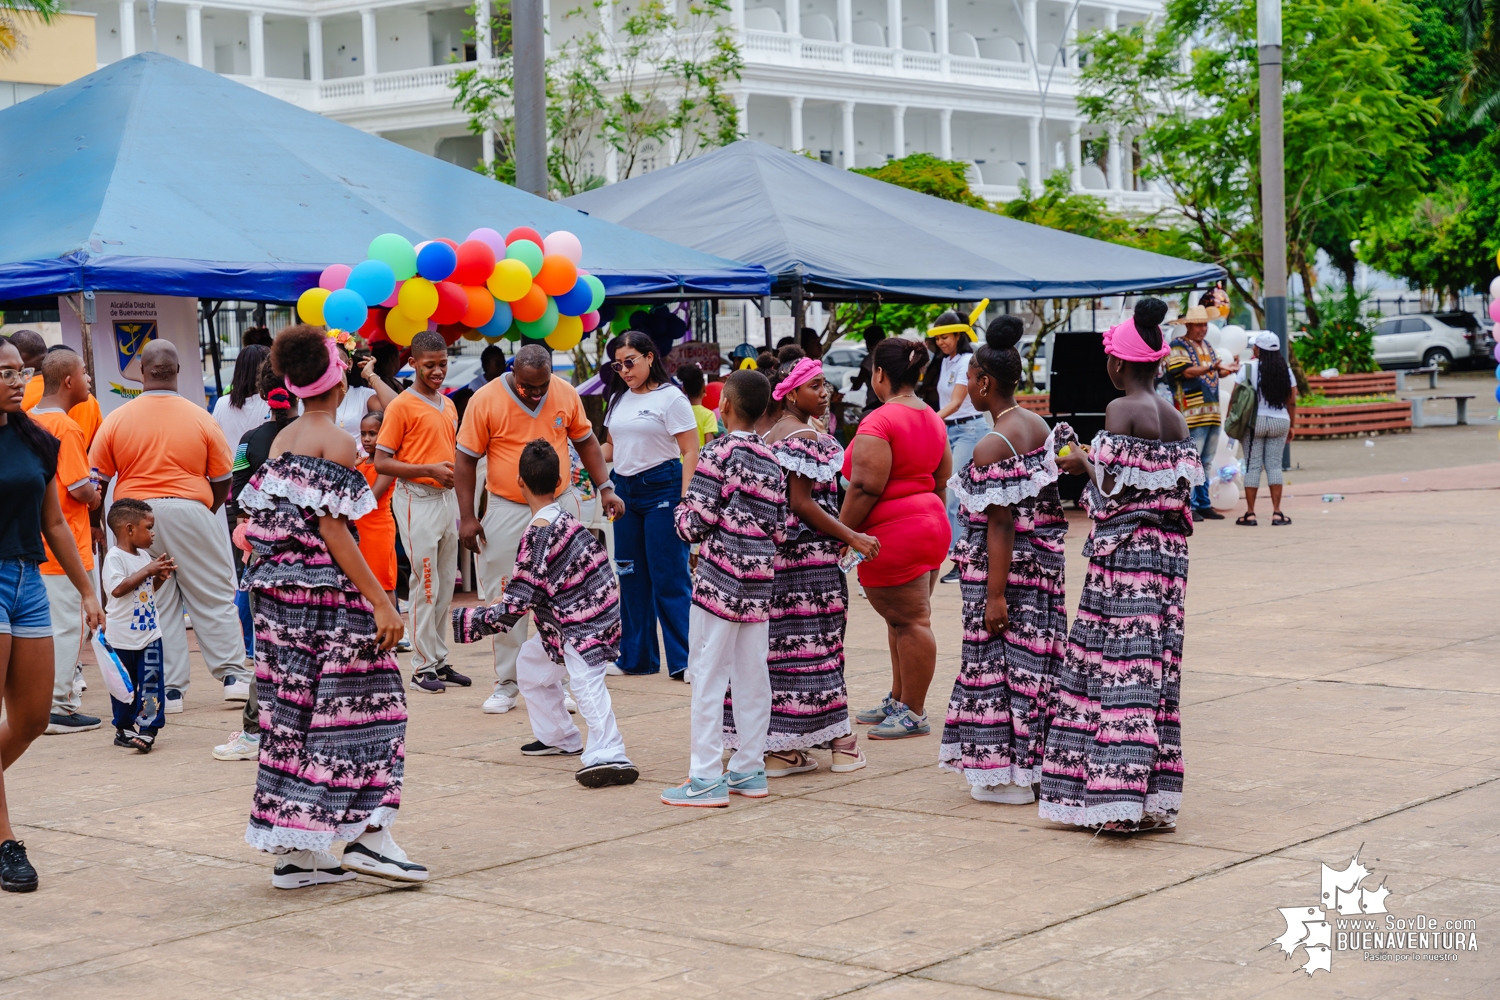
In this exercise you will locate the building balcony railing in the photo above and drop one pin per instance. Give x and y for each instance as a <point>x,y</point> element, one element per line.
<point>424,85</point>
<point>782,49</point>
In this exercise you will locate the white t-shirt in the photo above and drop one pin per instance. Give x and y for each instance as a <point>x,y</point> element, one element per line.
<point>353,409</point>
<point>236,423</point>
<point>642,425</point>
<point>954,375</point>
<point>1251,371</point>
<point>129,621</point>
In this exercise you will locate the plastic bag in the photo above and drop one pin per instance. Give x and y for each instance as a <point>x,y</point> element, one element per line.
<point>116,678</point>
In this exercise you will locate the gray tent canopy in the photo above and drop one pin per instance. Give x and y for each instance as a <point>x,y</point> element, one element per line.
<point>833,234</point>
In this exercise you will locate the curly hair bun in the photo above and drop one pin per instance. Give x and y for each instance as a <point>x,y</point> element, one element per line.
<point>299,353</point>
<point>1004,333</point>
<point>1149,312</point>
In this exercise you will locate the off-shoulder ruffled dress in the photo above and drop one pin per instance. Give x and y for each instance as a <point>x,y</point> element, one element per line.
<point>809,606</point>
<point>997,713</point>
<point>332,707</point>
<point>1114,740</point>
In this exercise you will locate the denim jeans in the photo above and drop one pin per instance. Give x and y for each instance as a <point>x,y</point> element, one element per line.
<point>961,438</point>
<point>1206,440</point>
<point>652,563</point>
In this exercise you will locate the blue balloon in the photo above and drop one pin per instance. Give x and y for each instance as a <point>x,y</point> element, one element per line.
<point>499,323</point>
<point>436,261</point>
<point>373,281</point>
<point>576,300</point>
<point>1497,371</point>
<point>345,310</point>
<point>1497,388</point>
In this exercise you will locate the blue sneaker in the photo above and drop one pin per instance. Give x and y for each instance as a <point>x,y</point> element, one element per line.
<point>901,725</point>
<point>872,716</point>
<point>750,784</point>
<point>698,792</point>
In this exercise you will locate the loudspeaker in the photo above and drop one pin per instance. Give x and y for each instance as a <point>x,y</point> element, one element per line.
<point>1078,380</point>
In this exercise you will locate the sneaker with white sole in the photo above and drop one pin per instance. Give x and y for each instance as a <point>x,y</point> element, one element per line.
<point>712,793</point>
<point>901,725</point>
<point>59,723</point>
<point>403,645</point>
<point>499,703</point>
<point>750,784</point>
<point>375,853</point>
<point>241,746</point>
<point>613,670</point>
<point>174,703</point>
<point>300,869</point>
<point>780,763</point>
<point>428,681</point>
<point>536,748</point>
<point>847,758</point>
<point>603,775</point>
<point>876,715</point>
<point>236,689</point>
<point>1010,795</point>
<point>569,702</point>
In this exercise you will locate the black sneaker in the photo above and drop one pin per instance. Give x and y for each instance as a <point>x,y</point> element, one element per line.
<point>1209,514</point>
<point>601,775</point>
<point>450,676</point>
<point>70,722</point>
<point>16,873</point>
<point>951,576</point>
<point>536,748</point>
<point>428,681</point>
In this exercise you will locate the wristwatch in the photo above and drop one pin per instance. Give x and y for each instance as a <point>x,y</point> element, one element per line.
<point>608,484</point>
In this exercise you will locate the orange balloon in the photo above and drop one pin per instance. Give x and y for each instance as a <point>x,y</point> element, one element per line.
<point>530,307</point>
<point>481,306</point>
<point>558,274</point>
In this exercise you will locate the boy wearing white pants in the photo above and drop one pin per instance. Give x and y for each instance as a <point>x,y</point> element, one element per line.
<point>563,576</point>
<point>736,506</point>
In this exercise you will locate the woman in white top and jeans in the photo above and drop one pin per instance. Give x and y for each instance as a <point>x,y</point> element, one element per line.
<point>1276,388</point>
<point>948,377</point>
<point>653,442</point>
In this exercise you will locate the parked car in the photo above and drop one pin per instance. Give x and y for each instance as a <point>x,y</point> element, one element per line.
<point>1426,340</point>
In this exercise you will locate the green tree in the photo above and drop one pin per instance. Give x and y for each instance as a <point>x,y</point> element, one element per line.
<point>945,179</point>
<point>11,37</point>
<point>1354,131</point>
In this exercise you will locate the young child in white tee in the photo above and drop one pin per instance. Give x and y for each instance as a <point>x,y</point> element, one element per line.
<point>131,577</point>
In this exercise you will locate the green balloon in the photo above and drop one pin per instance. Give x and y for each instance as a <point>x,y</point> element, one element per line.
<point>598,289</point>
<point>538,329</point>
<point>395,250</point>
<point>527,253</point>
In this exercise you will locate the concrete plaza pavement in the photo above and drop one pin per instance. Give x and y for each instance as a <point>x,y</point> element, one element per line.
<point>1339,696</point>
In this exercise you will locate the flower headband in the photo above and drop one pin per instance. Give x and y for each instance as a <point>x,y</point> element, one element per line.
<point>803,372</point>
<point>330,378</point>
<point>968,327</point>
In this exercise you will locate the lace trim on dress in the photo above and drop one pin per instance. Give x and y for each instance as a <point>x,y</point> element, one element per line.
<point>819,459</point>
<point>1041,472</point>
<point>309,489</point>
<point>278,839</point>
<point>986,777</point>
<point>781,742</point>
<point>1122,458</point>
<point>1162,806</point>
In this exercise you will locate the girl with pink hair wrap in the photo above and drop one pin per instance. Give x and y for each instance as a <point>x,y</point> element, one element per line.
<point>1113,754</point>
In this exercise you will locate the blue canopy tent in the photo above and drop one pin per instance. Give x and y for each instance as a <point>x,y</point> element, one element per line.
<point>833,234</point>
<point>153,176</point>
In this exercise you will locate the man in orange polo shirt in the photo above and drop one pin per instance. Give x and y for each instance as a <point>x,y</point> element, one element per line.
<point>34,351</point>
<point>65,387</point>
<point>416,446</point>
<point>167,451</point>
<point>524,404</point>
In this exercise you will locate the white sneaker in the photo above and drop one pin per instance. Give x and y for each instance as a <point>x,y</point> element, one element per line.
<point>1010,795</point>
<point>79,684</point>
<point>375,853</point>
<point>174,703</point>
<point>613,670</point>
<point>241,746</point>
<point>300,869</point>
<point>499,703</point>
<point>236,689</point>
<point>569,703</point>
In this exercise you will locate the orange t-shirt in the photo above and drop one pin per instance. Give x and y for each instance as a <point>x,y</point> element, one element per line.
<point>419,431</point>
<point>86,414</point>
<point>497,425</point>
<point>161,445</point>
<point>382,512</point>
<point>72,470</point>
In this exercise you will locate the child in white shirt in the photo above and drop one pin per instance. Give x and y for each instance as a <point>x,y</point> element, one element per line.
<point>131,577</point>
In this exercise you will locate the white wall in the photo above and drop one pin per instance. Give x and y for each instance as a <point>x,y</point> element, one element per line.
<point>226,41</point>
<point>446,30</point>
<point>286,48</point>
<point>345,33</point>
<point>404,39</point>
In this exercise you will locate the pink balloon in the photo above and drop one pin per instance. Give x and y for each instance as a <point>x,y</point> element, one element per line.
<point>565,243</point>
<point>334,276</point>
<point>390,303</point>
<point>590,321</point>
<point>1494,308</point>
<point>491,239</point>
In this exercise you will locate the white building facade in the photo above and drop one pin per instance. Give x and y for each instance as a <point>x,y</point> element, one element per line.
<point>853,82</point>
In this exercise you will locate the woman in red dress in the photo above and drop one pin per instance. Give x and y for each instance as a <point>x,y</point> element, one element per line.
<point>897,467</point>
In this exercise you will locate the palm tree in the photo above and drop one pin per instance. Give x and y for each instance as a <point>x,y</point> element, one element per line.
<point>10,35</point>
<point>1476,94</point>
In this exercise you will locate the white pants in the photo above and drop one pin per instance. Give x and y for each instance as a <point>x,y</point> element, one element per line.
<point>67,639</point>
<point>720,654</point>
<point>504,523</point>
<point>427,519</point>
<point>204,584</point>
<point>541,683</point>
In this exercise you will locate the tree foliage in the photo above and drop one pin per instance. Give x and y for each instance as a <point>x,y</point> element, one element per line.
<point>945,179</point>
<point>11,37</point>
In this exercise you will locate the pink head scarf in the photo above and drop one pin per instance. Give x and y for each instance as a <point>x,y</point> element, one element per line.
<point>330,378</point>
<point>1125,343</point>
<point>803,372</point>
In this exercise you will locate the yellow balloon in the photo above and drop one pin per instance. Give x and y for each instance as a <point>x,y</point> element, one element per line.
<point>494,340</point>
<point>566,334</point>
<point>418,298</point>
<point>473,335</point>
<point>310,305</point>
<point>401,327</point>
<point>510,281</point>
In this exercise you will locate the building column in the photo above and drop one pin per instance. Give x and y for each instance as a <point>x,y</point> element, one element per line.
<point>482,50</point>
<point>1034,153</point>
<point>796,133</point>
<point>1112,18</point>
<point>793,18</point>
<point>1070,40</point>
<point>1075,154</point>
<point>898,129</point>
<point>849,150</point>
<point>195,34</point>
<point>257,44</point>
<point>893,24</point>
<point>945,134</point>
<point>611,165</point>
<point>940,25</point>
<point>1028,23</point>
<point>1115,181</point>
<point>736,16</point>
<point>846,29</point>
<point>127,29</point>
<point>742,111</point>
<point>315,49</point>
<point>370,38</point>
<point>547,27</point>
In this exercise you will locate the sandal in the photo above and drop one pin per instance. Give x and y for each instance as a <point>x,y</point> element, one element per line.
<point>1280,518</point>
<point>1247,519</point>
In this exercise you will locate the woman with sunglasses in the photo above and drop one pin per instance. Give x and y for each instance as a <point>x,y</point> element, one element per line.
<point>653,442</point>
<point>29,510</point>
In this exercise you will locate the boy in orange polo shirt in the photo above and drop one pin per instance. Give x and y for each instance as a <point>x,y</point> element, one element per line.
<point>65,386</point>
<point>416,445</point>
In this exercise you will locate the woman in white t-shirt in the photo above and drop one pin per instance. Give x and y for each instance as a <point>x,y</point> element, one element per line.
<point>372,397</point>
<point>242,409</point>
<point>947,377</point>
<point>653,442</point>
<point>1276,387</point>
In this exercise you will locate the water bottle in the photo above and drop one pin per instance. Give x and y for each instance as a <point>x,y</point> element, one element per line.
<point>850,559</point>
<point>1332,497</point>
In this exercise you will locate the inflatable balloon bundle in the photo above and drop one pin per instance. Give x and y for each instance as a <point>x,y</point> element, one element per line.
<point>1495,330</point>
<point>516,286</point>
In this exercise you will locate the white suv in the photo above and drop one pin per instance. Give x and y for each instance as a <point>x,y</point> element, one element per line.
<point>1423,340</point>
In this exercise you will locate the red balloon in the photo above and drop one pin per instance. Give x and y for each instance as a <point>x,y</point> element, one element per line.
<point>481,306</point>
<point>451,243</point>
<point>374,323</point>
<point>530,307</point>
<point>451,332</point>
<point>476,262</point>
<point>452,303</point>
<point>523,233</point>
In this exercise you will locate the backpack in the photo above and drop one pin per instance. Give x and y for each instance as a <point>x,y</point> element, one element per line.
<point>1239,422</point>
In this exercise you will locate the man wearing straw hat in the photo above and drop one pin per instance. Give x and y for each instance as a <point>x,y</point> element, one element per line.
<point>1194,369</point>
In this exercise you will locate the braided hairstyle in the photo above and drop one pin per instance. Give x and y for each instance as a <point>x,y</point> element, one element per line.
<point>997,357</point>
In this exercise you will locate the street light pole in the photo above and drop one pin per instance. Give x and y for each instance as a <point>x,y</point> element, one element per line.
<point>1272,169</point>
<point>528,43</point>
